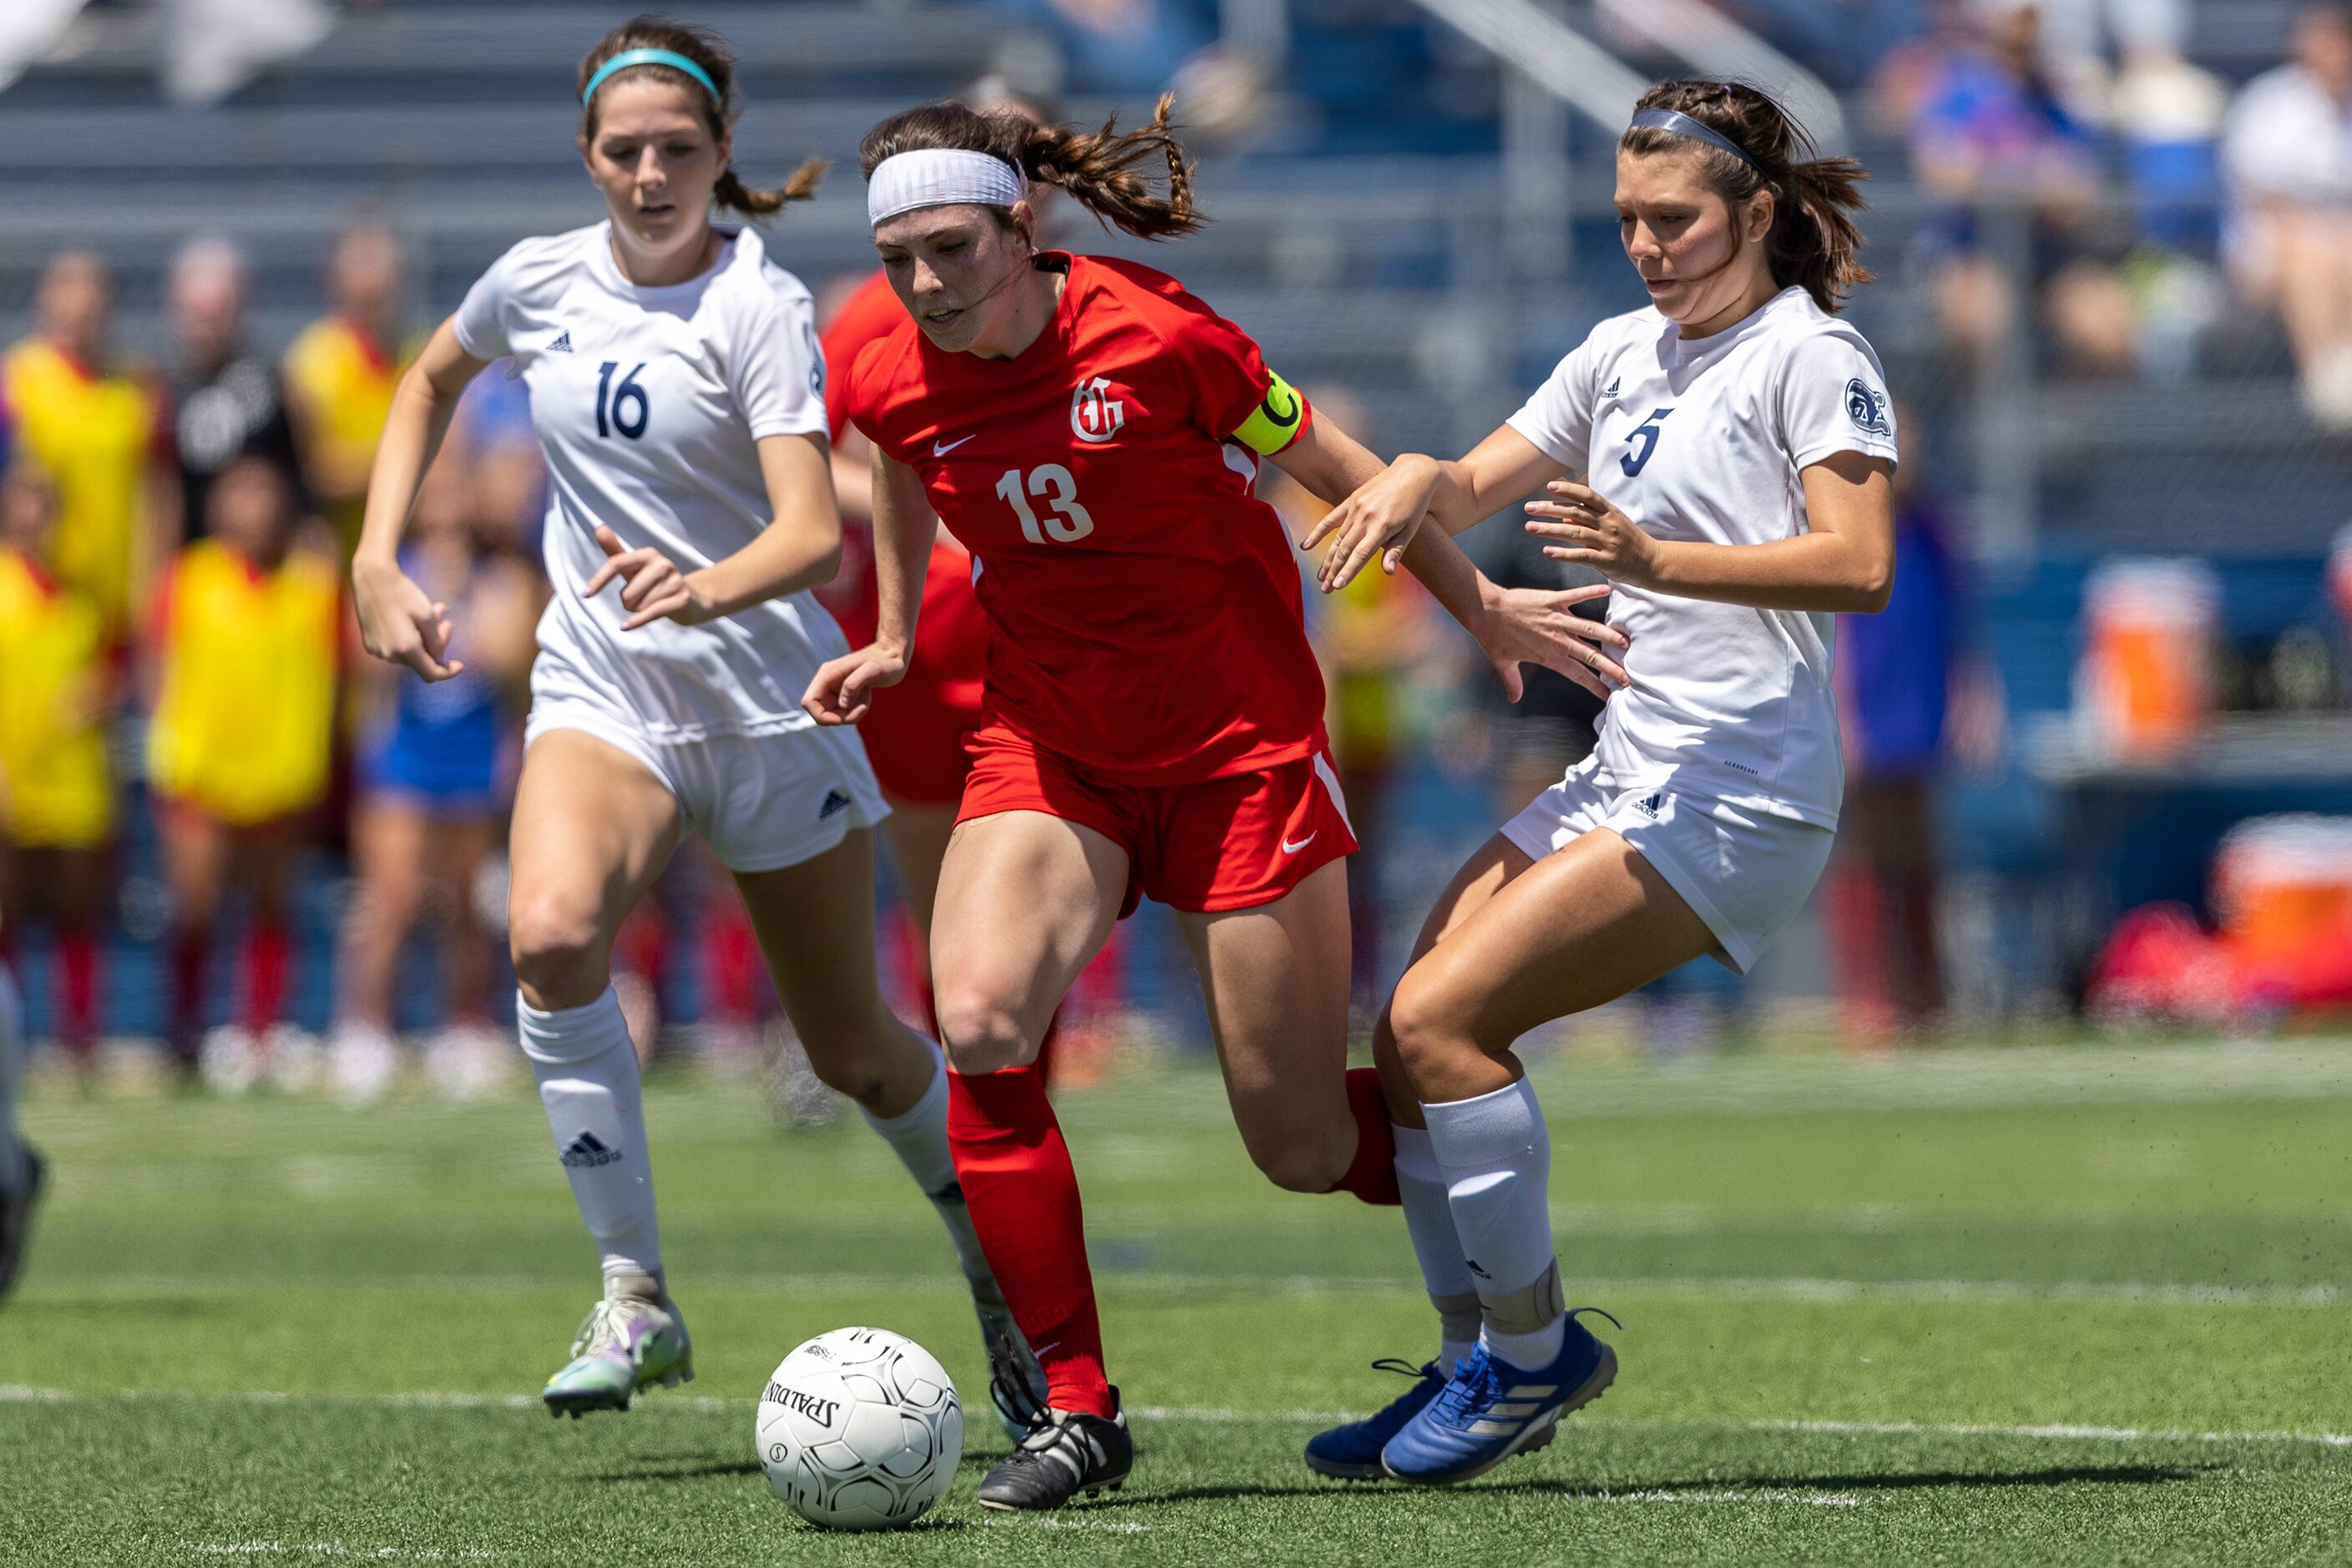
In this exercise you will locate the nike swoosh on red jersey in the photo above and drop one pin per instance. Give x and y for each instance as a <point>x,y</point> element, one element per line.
<point>940,451</point>
<point>1290,848</point>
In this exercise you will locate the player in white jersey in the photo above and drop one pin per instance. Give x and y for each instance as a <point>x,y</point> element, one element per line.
<point>1736,447</point>
<point>678,394</point>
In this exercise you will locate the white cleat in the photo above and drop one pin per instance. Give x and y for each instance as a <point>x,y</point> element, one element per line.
<point>470,1061</point>
<point>229,1061</point>
<point>362,1062</point>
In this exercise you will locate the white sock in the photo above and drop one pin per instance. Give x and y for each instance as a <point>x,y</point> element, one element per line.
<point>587,1074</point>
<point>918,1136</point>
<point>1496,1158</point>
<point>12,1066</point>
<point>1428,1221</point>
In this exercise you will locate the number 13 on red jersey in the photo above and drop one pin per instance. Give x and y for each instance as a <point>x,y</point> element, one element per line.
<point>1058,489</point>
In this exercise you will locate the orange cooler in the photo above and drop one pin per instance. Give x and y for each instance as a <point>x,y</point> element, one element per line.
<point>2280,883</point>
<point>2144,685</point>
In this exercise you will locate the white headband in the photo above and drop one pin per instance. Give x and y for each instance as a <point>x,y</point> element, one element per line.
<point>941,177</point>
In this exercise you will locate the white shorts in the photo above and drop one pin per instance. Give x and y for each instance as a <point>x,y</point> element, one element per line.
<point>1743,873</point>
<point>761,802</point>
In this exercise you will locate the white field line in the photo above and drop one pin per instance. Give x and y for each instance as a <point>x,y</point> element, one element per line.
<point>21,1393</point>
<point>2062,1431</point>
<point>1768,1288</point>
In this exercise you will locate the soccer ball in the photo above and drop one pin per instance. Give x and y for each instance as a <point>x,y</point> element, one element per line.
<point>860,1429</point>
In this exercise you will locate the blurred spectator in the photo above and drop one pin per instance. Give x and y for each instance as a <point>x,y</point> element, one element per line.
<point>341,371</point>
<point>1910,703</point>
<point>492,434</point>
<point>1990,129</point>
<point>430,791</point>
<point>91,427</point>
<point>225,400</point>
<point>2167,114</point>
<point>56,800</point>
<point>1127,48</point>
<point>2289,154</point>
<point>244,663</point>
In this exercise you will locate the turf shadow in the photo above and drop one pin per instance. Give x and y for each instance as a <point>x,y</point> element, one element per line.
<point>660,1470</point>
<point>687,1468</point>
<point>2056,1476</point>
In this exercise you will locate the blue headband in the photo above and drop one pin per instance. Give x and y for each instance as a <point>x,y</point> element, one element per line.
<point>1680,124</point>
<point>669,57</point>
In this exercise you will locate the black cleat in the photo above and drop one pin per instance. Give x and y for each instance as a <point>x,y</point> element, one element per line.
<point>16,1219</point>
<point>1067,1453</point>
<point>1016,1384</point>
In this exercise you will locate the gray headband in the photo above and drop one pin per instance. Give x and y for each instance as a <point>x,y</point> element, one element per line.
<point>1680,124</point>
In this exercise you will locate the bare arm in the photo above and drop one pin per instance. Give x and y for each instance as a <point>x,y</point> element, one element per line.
<point>1845,562</point>
<point>398,622</point>
<point>1386,510</point>
<point>800,547</point>
<point>904,529</point>
<point>1513,625</point>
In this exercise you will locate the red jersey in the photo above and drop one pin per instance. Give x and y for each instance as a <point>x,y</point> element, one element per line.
<point>1145,603</point>
<point>914,736</point>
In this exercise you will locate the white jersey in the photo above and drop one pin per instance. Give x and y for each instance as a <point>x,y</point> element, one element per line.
<point>1704,441</point>
<point>648,403</point>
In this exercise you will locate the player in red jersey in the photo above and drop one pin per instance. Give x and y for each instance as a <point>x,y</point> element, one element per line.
<point>914,736</point>
<point>1152,716</point>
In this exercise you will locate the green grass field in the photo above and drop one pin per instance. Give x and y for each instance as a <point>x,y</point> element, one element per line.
<point>2002,1305</point>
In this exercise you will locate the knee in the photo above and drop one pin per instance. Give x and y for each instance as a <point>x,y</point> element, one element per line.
<point>1306,1162</point>
<point>1419,1028</point>
<point>981,1034</point>
<point>559,951</point>
<point>854,1058</point>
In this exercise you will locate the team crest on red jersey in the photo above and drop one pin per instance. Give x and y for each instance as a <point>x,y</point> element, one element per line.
<point>1095,415</point>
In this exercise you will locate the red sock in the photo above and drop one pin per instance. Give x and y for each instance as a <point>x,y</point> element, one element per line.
<point>1371,1174</point>
<point>734,969</point>
<point>266,954</point>
<point>1023,1196</point>
<point>190,949</point>
<point>78,966</point>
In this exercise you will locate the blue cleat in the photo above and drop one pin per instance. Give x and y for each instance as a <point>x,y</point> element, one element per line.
<point>1492,1410</point>
<point>1352,1453</point>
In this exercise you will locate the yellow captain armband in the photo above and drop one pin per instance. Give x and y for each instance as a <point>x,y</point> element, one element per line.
<point>1274,422</point>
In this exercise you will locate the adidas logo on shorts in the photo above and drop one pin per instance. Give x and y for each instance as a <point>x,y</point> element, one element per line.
<point>835,802</point>
<point>1652,804</point>
<point>589,1150</point>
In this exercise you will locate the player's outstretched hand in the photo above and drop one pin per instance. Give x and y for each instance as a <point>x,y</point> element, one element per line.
<point>844,687</point>
<point>1591,532</point>
<point>399,623</point>
<point>1531,626</point>
<point>1379,519</point>
<point>652,586</point>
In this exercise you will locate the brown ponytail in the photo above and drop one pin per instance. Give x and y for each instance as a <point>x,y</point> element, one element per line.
<point>1813,242</point>
<point>1096,169</point>
<point>708,50</point>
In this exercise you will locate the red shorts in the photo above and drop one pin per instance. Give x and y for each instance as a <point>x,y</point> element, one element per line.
<point>1231,843</point>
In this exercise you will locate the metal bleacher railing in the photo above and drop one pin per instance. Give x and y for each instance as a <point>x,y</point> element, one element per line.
<point>1434,288</point>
